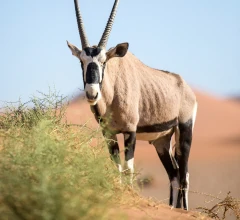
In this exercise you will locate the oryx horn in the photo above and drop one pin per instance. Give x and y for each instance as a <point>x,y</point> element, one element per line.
<point>83,36</point>
<point>106,33</point>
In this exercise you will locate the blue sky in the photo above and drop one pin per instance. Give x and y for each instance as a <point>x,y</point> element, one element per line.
<point>199,40</point>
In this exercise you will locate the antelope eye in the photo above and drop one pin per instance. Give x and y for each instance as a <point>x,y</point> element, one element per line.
<point>101,61</point>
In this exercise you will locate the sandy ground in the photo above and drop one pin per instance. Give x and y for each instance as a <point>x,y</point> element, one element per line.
<point>160,212</point>
<point>215,155</point>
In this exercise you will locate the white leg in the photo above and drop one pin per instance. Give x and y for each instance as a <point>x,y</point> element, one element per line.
<point>172,156</point>
<point>129,166</point>
<point>119,167</point>
<point>186,190</point>
<point>120,171</point>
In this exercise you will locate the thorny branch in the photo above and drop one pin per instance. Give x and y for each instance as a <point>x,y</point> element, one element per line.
<point>227,204</point>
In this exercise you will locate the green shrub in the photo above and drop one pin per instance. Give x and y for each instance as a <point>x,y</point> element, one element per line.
<point>49,170</point>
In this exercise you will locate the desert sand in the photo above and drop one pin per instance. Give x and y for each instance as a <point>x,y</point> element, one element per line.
<point>215,155</point>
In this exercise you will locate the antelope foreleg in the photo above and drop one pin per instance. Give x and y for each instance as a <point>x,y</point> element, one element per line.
<point>129,144</point>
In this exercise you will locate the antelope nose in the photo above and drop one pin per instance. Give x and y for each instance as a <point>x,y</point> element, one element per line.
<point>91,96</point>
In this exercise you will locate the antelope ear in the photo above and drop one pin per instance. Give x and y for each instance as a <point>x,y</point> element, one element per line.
<point>119,51</point>
<point>75,51</point>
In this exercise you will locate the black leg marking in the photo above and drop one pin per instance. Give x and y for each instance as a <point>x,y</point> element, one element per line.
<point>179,199</point>
<point>162,146</point>
<point>114,150</point>
<point>129,144</point>
<point>182,156</point>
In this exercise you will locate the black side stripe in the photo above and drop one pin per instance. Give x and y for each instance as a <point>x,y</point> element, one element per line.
<point>158,127</point>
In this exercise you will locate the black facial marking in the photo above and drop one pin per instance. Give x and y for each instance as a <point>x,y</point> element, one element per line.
<point>157,127</point>
<point>92,75</point>
<point>90,51</point>
<point>103,68</point>
<point>81,64</point>
<point>83,73</point>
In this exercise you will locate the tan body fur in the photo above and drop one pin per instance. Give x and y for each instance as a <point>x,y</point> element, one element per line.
<point>134,94</point>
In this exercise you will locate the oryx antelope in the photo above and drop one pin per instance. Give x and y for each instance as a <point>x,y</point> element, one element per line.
<point>141,103</point>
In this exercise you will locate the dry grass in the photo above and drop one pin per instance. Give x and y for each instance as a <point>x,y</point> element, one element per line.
<point>226,206</point>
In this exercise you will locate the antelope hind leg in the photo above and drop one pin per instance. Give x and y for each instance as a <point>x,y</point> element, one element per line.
<point>162,146</point>
<point>182,155</point>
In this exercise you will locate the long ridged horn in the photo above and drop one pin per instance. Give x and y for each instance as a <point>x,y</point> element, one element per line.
<point>108,28</point>
<point>83,36</point>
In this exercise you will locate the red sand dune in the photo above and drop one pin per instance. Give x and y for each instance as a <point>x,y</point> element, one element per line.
<point>215,154</point>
